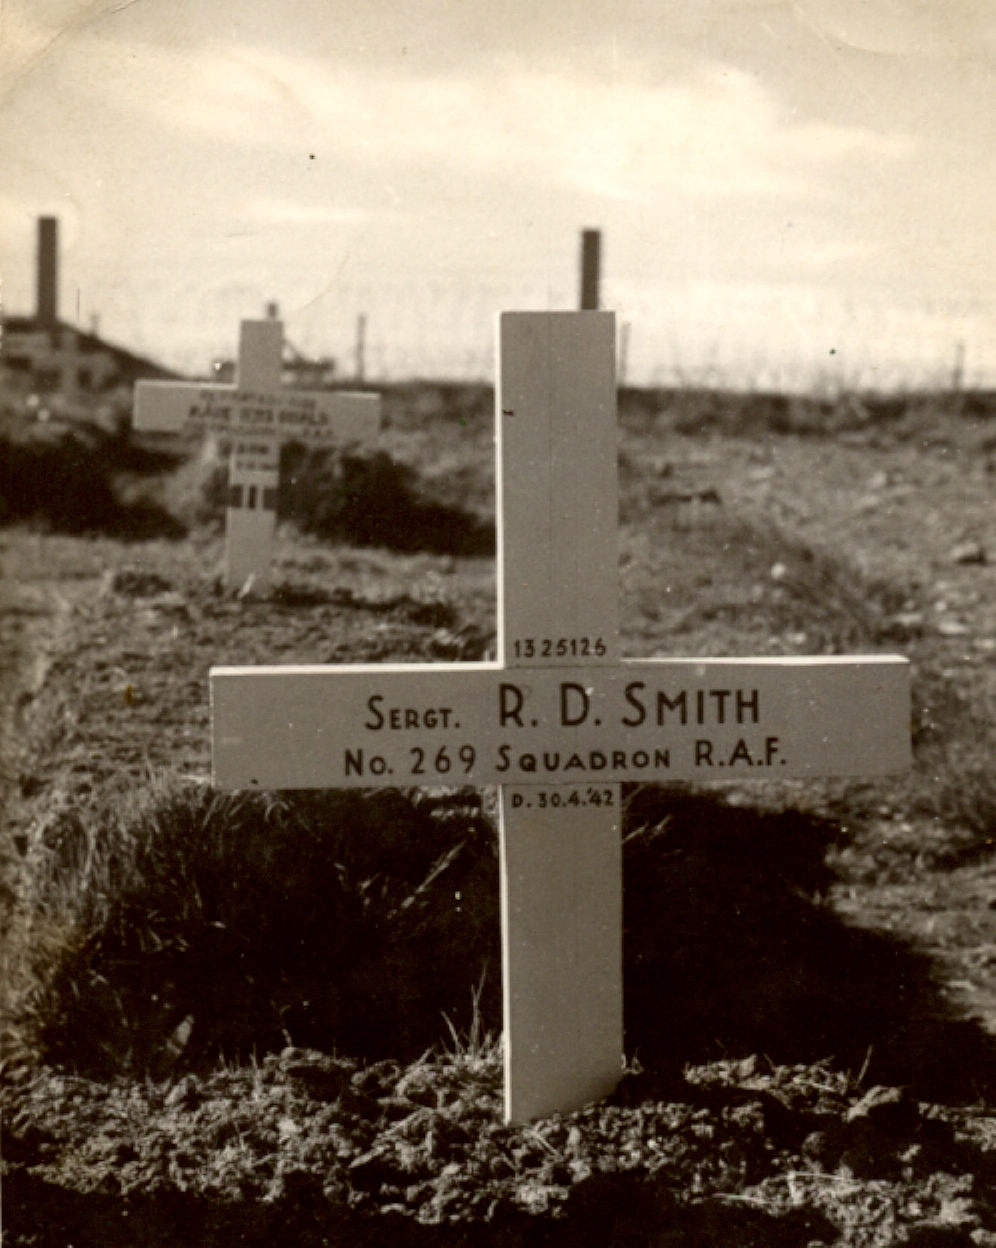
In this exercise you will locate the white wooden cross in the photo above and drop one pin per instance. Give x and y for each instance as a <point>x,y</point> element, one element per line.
<point>558,719</point>
<point>257,414</point>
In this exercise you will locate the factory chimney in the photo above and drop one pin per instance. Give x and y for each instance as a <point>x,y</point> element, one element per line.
<point>591,253</point>
<point>48,272</point>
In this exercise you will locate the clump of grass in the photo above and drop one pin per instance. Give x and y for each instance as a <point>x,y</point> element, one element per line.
<point>66,481</point>
<point>365,498</point>
<point>183,925</point>
<point>372,499</point>
<point>479,1047</point>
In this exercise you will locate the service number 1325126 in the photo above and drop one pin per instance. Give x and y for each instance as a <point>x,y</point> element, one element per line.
<point>559,647</point>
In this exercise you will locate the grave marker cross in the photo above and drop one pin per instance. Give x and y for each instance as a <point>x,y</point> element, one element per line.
<point>558,720</point>
<point>257,414</point>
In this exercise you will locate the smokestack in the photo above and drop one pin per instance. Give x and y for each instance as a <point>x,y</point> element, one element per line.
<point>48,271</point>
<point>591,247</point>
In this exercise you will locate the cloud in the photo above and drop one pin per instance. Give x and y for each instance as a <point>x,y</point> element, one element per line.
<point>719,134</point>
<point>713,131</point>
<point>239,114</point>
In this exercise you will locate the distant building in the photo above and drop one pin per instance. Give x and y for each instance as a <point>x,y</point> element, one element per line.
<point>48,364</point>
<point>302,373</point>
<point>298,371</point>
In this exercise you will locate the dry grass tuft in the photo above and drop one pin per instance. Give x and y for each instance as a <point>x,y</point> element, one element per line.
<point>149,931</point>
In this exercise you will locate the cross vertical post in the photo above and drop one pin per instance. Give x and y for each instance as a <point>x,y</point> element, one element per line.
<point>561,866</point>
<point>253,463</point>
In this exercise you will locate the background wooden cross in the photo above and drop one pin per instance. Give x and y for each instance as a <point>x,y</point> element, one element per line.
<point>558,719</point>
<point>258,415</point>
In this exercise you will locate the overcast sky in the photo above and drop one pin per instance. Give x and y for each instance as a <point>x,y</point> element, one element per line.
<point>790,191</point>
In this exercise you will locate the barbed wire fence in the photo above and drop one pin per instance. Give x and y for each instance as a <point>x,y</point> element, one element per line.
<point>711,335</point>
<point>699,337</point>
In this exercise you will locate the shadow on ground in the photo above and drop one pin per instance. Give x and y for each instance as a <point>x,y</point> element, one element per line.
<point>384,931</point>
<point>729,951</point>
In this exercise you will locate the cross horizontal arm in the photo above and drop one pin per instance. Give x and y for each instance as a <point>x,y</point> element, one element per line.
<point>480,723</point>
<point>315,417</point>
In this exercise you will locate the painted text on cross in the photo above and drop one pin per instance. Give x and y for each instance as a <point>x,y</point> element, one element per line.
<point>476,723</point>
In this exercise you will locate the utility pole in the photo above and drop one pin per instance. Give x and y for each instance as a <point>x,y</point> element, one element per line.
<point>624,329</point>
<point>361,341</point>
<point>958,373</point>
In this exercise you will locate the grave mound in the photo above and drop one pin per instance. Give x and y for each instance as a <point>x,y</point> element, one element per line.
<point>165,948</point>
